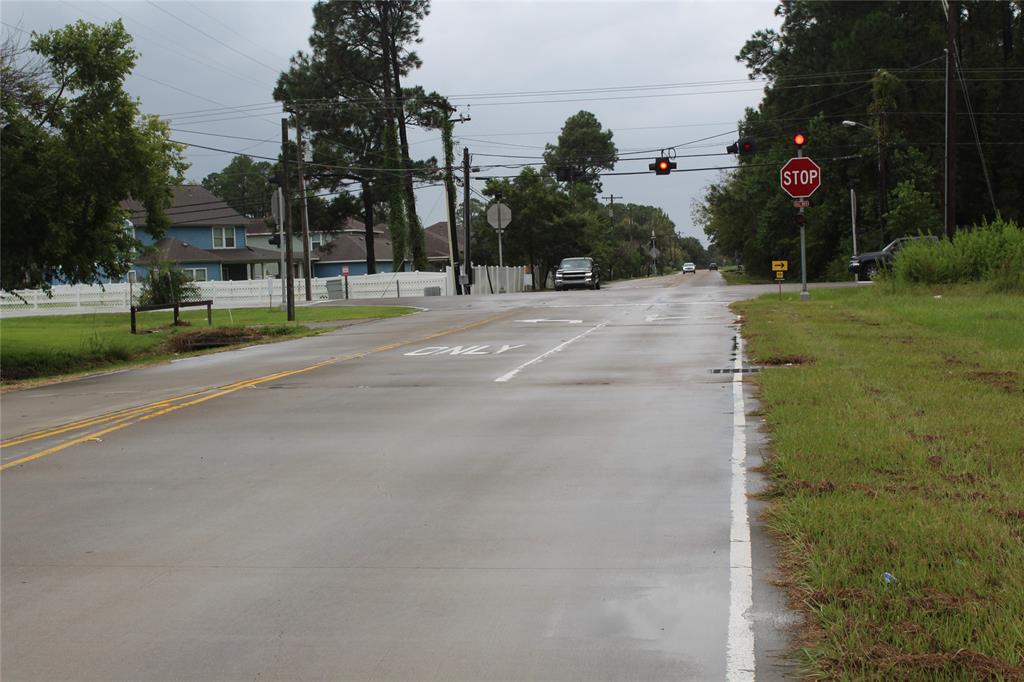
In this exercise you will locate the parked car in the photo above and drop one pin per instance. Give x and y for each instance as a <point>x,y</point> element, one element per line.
<point>867,264</point>
<point>712,266</point>
<point>577,272</point>
<point>689,267</point>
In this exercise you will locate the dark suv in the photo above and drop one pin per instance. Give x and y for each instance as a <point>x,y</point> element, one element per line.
<point>577,272</point>
<point>867,264</point>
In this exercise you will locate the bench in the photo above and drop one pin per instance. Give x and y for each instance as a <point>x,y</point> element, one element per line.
<point>177,310</point>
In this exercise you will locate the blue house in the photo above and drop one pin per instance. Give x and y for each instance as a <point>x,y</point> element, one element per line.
<point>206,239</point>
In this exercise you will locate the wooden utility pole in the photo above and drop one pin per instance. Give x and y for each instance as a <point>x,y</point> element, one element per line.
<point>466,219</point>
<point>286,211</point>
<point>306,263</point>
<point>952,21</point>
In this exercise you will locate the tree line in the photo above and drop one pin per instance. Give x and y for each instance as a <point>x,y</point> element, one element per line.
<point>75,145</point>
<point>880,68</point>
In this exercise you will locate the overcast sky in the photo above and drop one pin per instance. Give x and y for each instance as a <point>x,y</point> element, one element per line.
<point>199,59</point>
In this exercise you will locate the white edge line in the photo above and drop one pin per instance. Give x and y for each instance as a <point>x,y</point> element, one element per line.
<point>510,375</point>
<point>739,657</point>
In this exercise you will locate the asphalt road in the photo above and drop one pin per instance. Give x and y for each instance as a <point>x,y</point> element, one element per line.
<point>522,487</point>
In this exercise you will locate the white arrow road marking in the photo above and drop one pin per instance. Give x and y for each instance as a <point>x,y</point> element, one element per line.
<point>657,318</point>
<point>543,320</point>
<point>510,375</point>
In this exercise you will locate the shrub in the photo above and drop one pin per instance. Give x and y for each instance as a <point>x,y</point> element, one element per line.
<point>164,285</point>
<point>991,252</point>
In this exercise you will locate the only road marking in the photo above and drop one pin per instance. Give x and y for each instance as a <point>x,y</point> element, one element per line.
<point>462,350</point>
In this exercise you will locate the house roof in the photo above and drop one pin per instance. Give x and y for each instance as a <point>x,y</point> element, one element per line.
<point>436,241</point>
<point>249,254</point>
<point>261,227</point>
<point>351,247</point>
<point>192,205</point>
<point>349,243</point>
<point>177,251</point>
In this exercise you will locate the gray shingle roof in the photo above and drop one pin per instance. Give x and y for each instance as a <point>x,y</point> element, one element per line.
<point>177,251</point>
<point>192,205</point>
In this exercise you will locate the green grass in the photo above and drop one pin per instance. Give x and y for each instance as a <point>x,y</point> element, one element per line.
<point>47,346</point>
<point>733,275</point>
<point>898,446</point>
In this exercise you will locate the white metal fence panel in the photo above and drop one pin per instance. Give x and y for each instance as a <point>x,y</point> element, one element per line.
<point>491,279</point>
<point>67,296</point>
<point>390,285</point>
<point>226,294</point>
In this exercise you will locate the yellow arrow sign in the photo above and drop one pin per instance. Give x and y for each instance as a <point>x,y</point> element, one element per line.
<point>780,265</point>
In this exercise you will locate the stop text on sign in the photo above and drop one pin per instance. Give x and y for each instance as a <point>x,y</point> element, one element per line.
<point>800,177</point>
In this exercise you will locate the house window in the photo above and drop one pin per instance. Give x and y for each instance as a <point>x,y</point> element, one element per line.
<point>316,240</point>
<point>223,237</point>
<point>195,274</point>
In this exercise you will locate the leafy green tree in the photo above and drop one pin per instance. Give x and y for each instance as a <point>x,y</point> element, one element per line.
<point>74,146</point>
<point>913,212</point>
<point>584,146</point>
<point>348,93</point>
<point>819,75</point>
<point>245,185</point>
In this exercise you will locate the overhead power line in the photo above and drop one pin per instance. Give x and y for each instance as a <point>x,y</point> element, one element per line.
<point>213,38</point>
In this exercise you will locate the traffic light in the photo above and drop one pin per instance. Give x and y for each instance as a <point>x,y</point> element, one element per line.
<point>800,139</point>
<point>745,146</point>
<point>275,239</point>
<point>662,166</point>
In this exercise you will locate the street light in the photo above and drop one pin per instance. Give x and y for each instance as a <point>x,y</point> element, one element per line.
<point>883,207</point>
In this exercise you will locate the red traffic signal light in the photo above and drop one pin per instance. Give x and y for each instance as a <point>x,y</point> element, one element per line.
<point>743,146</point>
<point>662,166</point>
<point>799,139</point>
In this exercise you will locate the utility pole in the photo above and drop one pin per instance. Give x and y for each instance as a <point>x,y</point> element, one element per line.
<point>306,265</point>
<point>466,219</point>
<point>449,193</point>
<point>611,205</point>
<point>952,21</point>
<point>883,184</point>
<point>654,260</point>
<point>286,211</point>
<point>853,220</point>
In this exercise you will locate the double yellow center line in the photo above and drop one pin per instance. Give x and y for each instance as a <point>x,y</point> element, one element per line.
<point>115,421</point>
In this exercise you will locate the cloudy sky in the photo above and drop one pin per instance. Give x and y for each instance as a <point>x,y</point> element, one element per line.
<point>658,74</point>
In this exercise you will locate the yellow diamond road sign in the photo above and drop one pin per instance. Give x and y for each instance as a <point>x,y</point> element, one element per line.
<point>780,265</point>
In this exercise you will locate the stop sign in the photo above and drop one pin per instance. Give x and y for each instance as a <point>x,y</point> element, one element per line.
<point>800,177</point>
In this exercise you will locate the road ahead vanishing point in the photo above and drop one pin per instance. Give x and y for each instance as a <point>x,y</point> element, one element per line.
<point>547,486</point>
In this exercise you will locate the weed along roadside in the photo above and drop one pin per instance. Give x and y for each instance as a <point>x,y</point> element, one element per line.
<point>897,476</point>
<point>53,346</point>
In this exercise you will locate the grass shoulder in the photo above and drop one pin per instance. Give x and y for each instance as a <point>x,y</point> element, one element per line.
<point>898,476</point>
<point>734,275</point>
<point>58,346</point>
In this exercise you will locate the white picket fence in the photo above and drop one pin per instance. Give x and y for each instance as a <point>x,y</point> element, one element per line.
<point>261,292</point>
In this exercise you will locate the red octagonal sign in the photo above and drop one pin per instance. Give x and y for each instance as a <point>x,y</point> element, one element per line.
<point>800,177</point>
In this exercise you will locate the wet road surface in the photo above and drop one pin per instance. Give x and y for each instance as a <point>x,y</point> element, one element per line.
<point>518,487</point>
